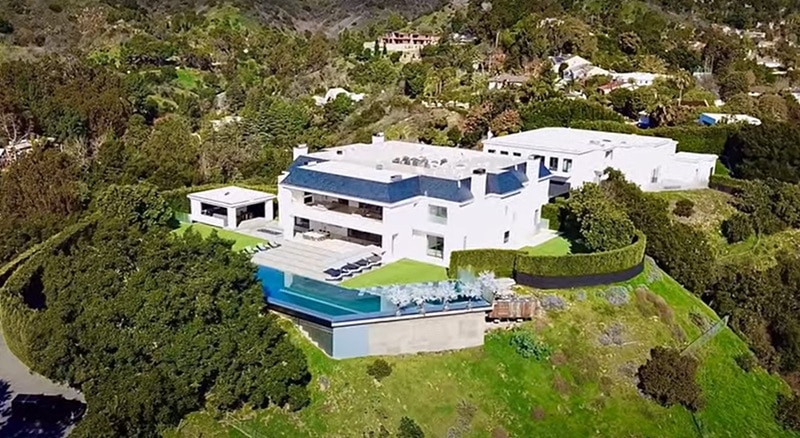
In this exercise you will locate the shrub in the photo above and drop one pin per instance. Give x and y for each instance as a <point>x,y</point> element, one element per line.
<point>725,184</point>
<point>379,369</point>
<point>552,302</point>
<point>670,378</point>
<point>597,223</point>
<point>409,429</point>
<point>737,228</point>
<point>55,7</point>
<point>5,26</point>
<point>617,296</point>
<point>746,361</point>
<point>684,208</point>
<point>528,347</point>
<point>787,412</point>
<point>613,335</point>
<point>552,212</point>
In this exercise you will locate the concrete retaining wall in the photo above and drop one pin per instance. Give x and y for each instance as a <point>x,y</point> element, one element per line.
<point>439,332</point>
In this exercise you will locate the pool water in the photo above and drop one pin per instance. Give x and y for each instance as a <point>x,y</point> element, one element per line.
<point>305,293</point>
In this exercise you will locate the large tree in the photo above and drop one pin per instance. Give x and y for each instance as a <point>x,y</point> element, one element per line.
<point>151,327</point>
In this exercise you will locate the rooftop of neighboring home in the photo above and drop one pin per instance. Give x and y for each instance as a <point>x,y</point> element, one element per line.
<point>714,118</point>
<point>231,196</point>
<point>505,77</point>
<point>576,141</point>
<point>392,171</point>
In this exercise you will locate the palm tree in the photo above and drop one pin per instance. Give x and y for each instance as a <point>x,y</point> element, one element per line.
<point>682,80</point>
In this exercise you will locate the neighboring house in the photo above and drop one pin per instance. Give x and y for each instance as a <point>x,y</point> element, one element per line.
<point>333,93</point>
<point>709,119</point>
<point>500,81</point>
<point>230,207</point>
<point>577,156</point>
<point>414,201</point>
<point>577,68</point>
<point>629,81</point>
<point>13,152</point>
<point>408,44</point>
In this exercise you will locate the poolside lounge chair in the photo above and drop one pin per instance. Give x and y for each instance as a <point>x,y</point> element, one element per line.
<point>374,260</point>
<point>350,269</point>
<point>333,274</point>
<point>273,244</point>
<point>362,263</point>
<point>262,247</point>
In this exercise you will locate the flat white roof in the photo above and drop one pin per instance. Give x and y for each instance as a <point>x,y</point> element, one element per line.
<point>727,118</point>
<point>694,157</point>
<point>231,196</point>
<point>382,161</point>
<point>576,141</point>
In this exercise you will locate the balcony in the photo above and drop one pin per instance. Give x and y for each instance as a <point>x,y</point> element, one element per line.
<point>375,213</point>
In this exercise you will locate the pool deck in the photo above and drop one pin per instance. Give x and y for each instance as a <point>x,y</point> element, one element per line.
<point>309,258</point>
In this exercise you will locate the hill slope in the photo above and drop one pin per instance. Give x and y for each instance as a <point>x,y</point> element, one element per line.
<point>585,389</point>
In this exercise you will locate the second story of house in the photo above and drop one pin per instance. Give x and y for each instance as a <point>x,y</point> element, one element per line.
<point>392,183</point>
<point>579,156</point>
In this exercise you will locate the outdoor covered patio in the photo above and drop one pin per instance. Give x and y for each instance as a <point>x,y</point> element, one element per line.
<point>231,207</point>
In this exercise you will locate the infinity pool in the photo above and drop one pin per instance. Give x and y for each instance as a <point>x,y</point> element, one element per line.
<point>328,300</point>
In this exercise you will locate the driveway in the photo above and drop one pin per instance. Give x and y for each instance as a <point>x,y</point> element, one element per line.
<point>41,408</point>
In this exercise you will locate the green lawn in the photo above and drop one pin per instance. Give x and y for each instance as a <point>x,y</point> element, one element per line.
<point>401,271</point>
<point>720,169</point>
<point>241,241</point>
<point>586,389</point>
<point>553,247</point>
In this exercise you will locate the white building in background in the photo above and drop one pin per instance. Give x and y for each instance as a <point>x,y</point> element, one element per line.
<point>230,207</point>
<point>414,201</point>
<point>409,45</point>
<point>709,119</point>
<point>577,156</point>
<point>576,68</point>
<point>333,93</point>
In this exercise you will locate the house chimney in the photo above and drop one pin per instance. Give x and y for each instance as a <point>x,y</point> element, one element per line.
<point>478,183</point>
<point>299,150</point>
<point>532,167</point>
<point>377,138</point>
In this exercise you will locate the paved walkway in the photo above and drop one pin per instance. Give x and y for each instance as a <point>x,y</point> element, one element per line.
<point>17,379</point>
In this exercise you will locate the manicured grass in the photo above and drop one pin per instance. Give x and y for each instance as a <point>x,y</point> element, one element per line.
<point>554,247</point>
<point>720,169</point>
<point>401,271</point>
<point>586,389</point>
<point>241,241</point>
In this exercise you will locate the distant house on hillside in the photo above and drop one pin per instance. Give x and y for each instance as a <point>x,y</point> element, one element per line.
<point>500,81</point>
<point>408,44</point>
<point>333,93</point>
<point>630,81</point>
<point>709,119</point>
<point>576,68</point>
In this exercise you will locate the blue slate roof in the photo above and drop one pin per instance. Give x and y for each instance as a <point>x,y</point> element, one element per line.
<point>503,183</point>
<point>543,171</point>
<point>509,181</point>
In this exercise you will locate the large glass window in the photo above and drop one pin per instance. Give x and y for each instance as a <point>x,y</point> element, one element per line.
<point>435,246</point>
<point>553,163</point>
<point>437,214</point>
<point>567,165</point>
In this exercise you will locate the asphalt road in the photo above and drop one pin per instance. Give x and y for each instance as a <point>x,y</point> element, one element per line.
<point>17,379</point>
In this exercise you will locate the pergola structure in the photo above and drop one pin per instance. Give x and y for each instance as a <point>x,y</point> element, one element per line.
<point>229,207</point>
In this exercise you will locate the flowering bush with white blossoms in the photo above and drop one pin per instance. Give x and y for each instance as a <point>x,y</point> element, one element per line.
<point>442,292</point>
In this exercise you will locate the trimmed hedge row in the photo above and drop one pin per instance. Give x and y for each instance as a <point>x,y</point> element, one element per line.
<point>726,184</point>
<point>507,262</point>
<point>15,315</point>
<point>572,265</point>
<point>499,261</point>
<point>552,212</point>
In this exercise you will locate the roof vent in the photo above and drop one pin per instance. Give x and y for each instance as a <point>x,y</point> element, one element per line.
<point>394,178</point>
<point>607,140</point>
<point>443,162</point>
<point>340,152</point>
<point>479,171</point>
<point>396,160</point>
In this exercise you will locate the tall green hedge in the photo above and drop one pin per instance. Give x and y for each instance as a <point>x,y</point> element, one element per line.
<point>725,183</point>
<point>572,265</point>
<point>552,212</point>
<point>504,262</point>
<point>499,261</point>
